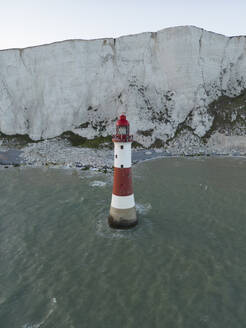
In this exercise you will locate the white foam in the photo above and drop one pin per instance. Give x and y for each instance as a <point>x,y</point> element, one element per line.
<point>35,325</point>
<point>98,183</point>
<point>143,208</point>
<point>104,231</point>
<point>205,187</point>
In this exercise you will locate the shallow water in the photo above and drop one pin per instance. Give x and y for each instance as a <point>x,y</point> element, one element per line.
<point>184,265</point>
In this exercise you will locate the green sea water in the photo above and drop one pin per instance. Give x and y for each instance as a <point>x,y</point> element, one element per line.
<point>184,265</point>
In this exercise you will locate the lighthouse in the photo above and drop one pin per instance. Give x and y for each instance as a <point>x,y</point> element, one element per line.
<point>122,213</point>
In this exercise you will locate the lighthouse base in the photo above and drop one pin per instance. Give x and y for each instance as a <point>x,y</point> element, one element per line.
<point>122,218</point>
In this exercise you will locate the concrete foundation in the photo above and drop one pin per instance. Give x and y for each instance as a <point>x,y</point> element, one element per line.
<point>122,218</point>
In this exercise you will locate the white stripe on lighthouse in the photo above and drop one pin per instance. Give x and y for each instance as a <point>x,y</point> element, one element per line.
<point>122,156</point>
<point>123,202</point>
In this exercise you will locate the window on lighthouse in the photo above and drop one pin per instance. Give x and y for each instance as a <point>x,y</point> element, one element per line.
<point>122,130</point>
<point>121,147</point>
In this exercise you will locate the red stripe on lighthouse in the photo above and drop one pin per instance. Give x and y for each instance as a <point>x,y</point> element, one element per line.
<point>122,182</point>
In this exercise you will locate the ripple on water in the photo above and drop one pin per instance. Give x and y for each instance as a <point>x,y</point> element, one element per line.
<point>186,255</point>
<point>52,307</point>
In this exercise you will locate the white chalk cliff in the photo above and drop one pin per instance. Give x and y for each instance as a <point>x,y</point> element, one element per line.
<point>164,81</point>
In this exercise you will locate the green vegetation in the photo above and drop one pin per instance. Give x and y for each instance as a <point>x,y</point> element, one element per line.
<point>157,144</point>
<point>97,143</point>
<point>17,140</point>
<point>100,142</point>
<point>84,125</point>
<point>180,128</point>
<point>146,133</point>
<point>229,115</point>
<point>78,141</point>
<point>136,144</point>
<point>85,168</point>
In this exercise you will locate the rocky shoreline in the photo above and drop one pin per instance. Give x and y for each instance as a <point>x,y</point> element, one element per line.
<point>60,154</point>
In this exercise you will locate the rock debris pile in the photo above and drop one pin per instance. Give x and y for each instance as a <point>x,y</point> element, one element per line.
<point>61,154</point>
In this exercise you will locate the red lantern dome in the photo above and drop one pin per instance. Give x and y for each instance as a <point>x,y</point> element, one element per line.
<point>122,130</point>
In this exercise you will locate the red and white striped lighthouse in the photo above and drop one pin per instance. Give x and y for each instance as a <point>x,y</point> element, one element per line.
<point>122,211</point>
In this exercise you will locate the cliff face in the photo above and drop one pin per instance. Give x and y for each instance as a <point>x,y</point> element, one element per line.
<point>178,80</point>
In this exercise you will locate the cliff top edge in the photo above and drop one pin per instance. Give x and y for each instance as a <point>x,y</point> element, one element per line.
<point>188,27</point>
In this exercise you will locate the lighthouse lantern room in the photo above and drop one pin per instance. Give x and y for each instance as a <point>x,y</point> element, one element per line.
<point>122,211</point>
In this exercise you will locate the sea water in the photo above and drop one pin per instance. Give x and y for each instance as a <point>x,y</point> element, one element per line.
<point>184,265</point>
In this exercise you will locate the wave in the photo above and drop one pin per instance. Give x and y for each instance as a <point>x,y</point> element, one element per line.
<point>98,183</point>
<point>53,305</point>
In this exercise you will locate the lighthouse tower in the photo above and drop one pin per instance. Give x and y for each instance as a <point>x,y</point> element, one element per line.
<point>122,211</point>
